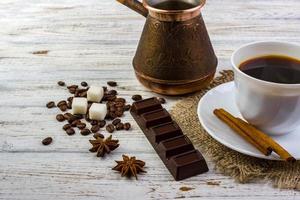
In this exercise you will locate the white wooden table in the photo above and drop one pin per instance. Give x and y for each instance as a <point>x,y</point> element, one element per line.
<point>95,41</point>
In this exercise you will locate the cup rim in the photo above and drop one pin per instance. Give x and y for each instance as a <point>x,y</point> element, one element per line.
<point>267,83</point>
<point>189,10</point>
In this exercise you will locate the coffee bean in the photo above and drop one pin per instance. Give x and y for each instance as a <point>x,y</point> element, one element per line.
<point>98,135</point>
<point>72,90</point>
<point>61,83</point>
<point>110,128</point>
<point>112,92</point>
<point>72,86</point>
<point>112,109</point>
<point>116,121</point>
<point>112,115</point>
<point>94,122</point>
<point>70,131</point>
<point>119,113</point>
<point>112,83</point>
<point>79,116</point>
<point>104,88</point>
<point>120,126</point>
<point>81,125</point>
<point>108,97</point>
<point>95,128</point>
<point>67,116</point>
<point>69,105</point>
<point>102,123</point>
<point>83,94</point>
<point>127,107</point>
<point>84,84</point>
<point>70,99</point>
<point>61,103</point>
<point>127,126</point>
<point>161,100</point>
<point>60,118</point>
<point>119,99</point>
<point>75,122</point>
<point>85,131</point>
<point>120,109</point>
<point>63,108</point>
<point>66,127</point>
<point>136,97</point>
<point>47,141</point>
<point>71,119</point>
<point>50,104</point>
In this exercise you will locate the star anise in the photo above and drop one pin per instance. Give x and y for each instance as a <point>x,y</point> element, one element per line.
<point>103,146</point>
<point>129,166</point>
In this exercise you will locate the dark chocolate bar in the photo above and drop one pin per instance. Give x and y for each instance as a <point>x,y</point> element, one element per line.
<point>173,147</point>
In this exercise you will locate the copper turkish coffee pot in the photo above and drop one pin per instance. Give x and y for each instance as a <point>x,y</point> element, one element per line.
<point>174,55</point>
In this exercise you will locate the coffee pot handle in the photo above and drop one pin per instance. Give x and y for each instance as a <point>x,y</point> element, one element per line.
<point>135,5</point>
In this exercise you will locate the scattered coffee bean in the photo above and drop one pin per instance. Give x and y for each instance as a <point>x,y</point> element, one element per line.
<point>79,116</point>
<point>84,84</point>
<point>83,94</point>
<point>119,113</point>
<point>161,100</point>
<point>60,118</point>
<point>66,127</point>
<point>116,121</point>
<point>72,86</point>
<point>119,99</point>
<point>67,116</point>
<point>98,135</point>
<point>127,107</point>
<point>95,128</point>
<point>127,126</point>
<point>71,119</point>
<point>119,126</point>
<point>70,99</point>
<point>69,105</point>
<point>61,103</point>
<point>63,108</point>
<point>136,97</point>
<point>85,131</point>
<point>61,83</point>
<point>72,90</point>
<point>81,125</point>
<point>112,92</point>
<point>70,131</point>
<point>50,104</point>
<point>47,141</point>
<point>75,122</point>
<point>110,128</point>
<point>94,122</point>
<point>102,123</point>
<point>112,83</point>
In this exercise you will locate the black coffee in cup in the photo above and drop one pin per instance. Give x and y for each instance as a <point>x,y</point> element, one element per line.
<point>273,68</point>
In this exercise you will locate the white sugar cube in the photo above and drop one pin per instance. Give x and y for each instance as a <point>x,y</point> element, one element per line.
<point>95,93</point>
<point>97,111</point>
<point>79,105</point>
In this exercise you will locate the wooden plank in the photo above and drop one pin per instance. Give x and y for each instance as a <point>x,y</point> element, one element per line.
<point>95,40</point>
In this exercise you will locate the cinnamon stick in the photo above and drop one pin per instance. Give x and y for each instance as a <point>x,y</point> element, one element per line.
<point>253,135</point>
<point>238,130</point>
<point>284,154</point>
<point>247,131</point>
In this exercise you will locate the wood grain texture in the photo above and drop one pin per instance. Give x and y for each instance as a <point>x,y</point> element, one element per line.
<point>42,42</point>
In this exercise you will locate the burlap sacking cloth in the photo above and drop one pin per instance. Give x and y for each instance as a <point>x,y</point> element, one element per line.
<point>239,166</point>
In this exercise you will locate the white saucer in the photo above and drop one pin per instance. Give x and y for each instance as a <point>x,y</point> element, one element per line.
<point>223,97</point>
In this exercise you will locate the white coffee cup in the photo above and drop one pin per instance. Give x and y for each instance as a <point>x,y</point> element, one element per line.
<point>272,107</point>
